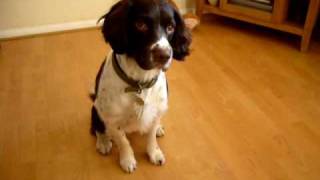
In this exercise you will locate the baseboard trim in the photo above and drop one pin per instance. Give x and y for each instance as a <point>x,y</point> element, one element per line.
<point>50,28</point>
<point>53,28</point>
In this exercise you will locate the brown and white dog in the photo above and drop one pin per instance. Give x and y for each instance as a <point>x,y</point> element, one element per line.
<point>131,87</point>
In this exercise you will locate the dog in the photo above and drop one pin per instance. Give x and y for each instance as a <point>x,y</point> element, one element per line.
<point>131,92</point>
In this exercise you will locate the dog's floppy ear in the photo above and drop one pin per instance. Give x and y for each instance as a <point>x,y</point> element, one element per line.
<point>181,39</point>
<point>114,28</point>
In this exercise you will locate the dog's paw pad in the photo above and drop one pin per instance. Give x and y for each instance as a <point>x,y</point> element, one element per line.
<point>157,157</point>
<point>104,146</point>
<point>128,164</point>
<point>160,131</point>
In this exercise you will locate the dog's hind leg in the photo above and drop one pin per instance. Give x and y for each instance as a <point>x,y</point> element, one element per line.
<point>104,143</point>
<point>98,128</point>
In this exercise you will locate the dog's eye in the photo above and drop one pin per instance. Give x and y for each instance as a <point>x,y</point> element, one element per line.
<point>141,26</point>
<point>170,29</point>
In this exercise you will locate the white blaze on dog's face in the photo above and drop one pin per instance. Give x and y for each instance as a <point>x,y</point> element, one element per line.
<point>162,53</point>
<point>150,31</point>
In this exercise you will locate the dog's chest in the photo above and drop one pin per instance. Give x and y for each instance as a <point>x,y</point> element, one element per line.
<point>129,110</point>
<point>146,108</point>
<point>133,112</point>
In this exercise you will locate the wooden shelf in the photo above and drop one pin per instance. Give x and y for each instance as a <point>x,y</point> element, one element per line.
<point>286,26</point>
<point>245,11</point>
<point>277,19</point>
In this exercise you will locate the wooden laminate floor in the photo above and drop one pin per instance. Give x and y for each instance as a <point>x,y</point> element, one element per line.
<point>245,105</point>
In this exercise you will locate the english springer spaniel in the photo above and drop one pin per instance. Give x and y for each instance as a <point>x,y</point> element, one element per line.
<point>131,93</point>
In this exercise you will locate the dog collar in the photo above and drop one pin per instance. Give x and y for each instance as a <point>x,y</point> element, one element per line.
<point>135,86</point>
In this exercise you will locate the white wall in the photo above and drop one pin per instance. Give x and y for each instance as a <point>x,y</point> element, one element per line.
<point>26,17</point>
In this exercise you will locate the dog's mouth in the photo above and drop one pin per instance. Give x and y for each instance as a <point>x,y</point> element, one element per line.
<point>160,66</point>
<point>164,66</point>
<point>155,64</point>
<point>162,61</point>
<point>154,59</point>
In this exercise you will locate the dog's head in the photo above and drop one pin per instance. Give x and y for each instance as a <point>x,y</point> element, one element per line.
<point>151,31</point>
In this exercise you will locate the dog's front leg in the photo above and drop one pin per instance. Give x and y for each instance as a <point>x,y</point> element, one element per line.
<point>155,154</point>
<point>127,160</point>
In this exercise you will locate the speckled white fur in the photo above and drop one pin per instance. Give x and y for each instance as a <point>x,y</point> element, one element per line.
<point>122,114</point>
<point>118,108</point>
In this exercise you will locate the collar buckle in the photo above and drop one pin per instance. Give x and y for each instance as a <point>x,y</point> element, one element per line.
<point>132,89</point>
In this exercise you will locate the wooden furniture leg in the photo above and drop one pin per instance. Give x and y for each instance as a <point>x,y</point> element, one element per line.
<point>199,7</point>
<point>313,10</point>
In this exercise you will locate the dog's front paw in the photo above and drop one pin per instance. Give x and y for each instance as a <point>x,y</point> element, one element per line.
<point>160,131</point>
<point>128,163</point>
<point>103,145</point>
<point>157,157</point>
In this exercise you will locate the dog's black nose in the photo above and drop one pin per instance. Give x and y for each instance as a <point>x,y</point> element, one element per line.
<point>161,55</point>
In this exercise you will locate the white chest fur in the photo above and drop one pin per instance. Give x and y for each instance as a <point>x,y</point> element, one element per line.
<point>123,109</point>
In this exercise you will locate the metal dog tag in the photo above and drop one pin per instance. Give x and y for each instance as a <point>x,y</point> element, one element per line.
<point>139,100</point>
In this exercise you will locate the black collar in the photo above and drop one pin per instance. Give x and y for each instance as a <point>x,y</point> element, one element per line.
<point>135,86</point>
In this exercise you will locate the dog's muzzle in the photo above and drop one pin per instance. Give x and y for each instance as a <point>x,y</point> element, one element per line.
<point>161,53</point>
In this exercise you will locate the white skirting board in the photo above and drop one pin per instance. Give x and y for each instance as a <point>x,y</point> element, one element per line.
<point>51,28</point>
<point>44,29</point>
